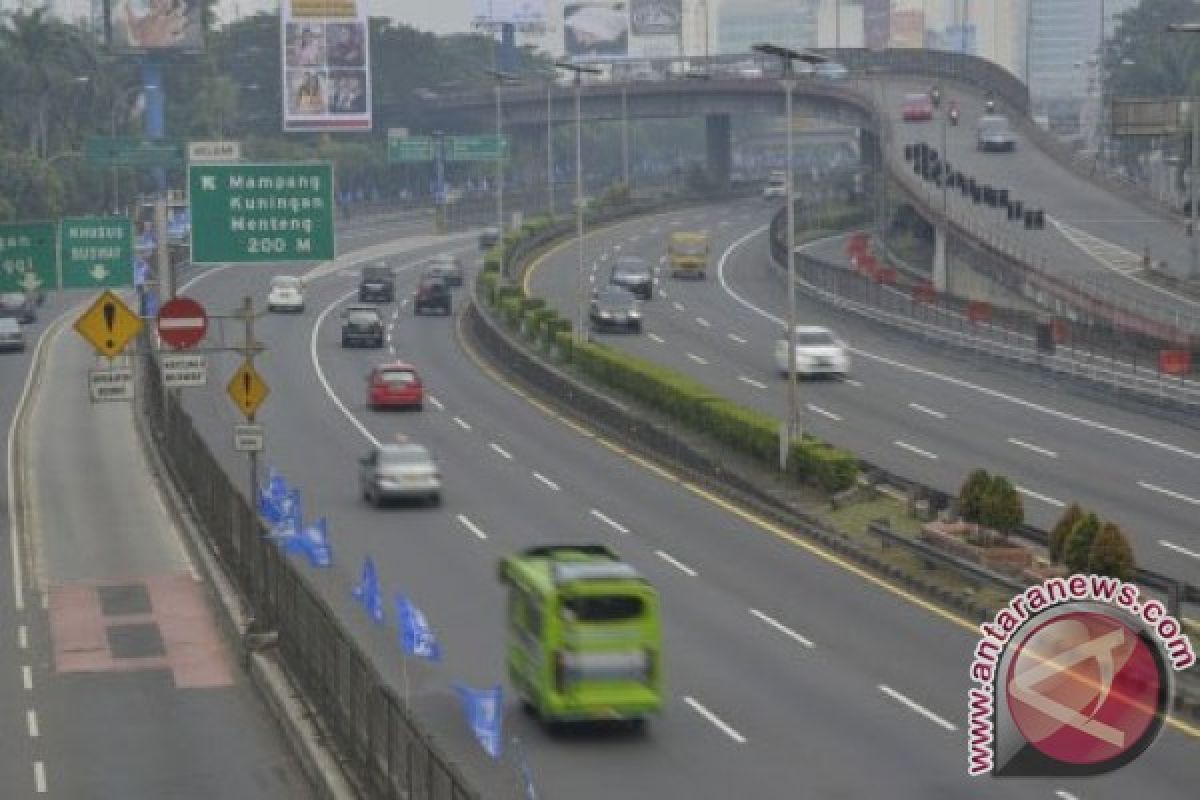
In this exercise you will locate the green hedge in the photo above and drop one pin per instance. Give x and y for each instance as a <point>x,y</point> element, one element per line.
<point>487,286</point>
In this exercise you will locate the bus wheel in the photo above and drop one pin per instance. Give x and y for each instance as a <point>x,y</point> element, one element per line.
<point>637,726</point>
<point>528,708</point>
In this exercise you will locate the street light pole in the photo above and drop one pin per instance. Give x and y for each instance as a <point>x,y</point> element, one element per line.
<point>580,297</point>
<point>499,163</point>
<point>625,136</point>
<point>1194,269</point>
<point>550,147</point>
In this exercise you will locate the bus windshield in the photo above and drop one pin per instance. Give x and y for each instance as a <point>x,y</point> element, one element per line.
<point>602,607</point>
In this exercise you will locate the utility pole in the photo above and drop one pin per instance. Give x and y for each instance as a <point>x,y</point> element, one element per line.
<point>580,297</point>
<point>249,348</point>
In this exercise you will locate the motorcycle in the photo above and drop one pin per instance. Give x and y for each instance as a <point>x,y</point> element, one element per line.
<point>953,115</point>
<point>989,106</point>
<point>936,96</point>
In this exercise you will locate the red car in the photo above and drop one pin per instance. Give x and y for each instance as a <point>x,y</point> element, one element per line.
<point>917,107</point>
<point>395,385</point>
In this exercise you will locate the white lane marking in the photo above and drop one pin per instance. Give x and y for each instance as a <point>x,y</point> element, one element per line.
<point>433,401</point>
<point>472,527</point>
<point>22,637</point>
<point>462,423</point>
<point>677,564</point>
<point>752,382</point>
<point>703,323</point>
<point>500,451</point>
<point>316,362</point>
<point>697,359</point>
<point>31,723</point>
<point>716,721</point>
<point>735,338</point>
<point>929,411</point>
<point>1174,495</point>
<point>655,337</point>
<point>854,383</point>
<point>1051,501</point>
<point>618,527</point>
<point>1062,794</point>
<point>546,481</point>
<point>914,449</point>
<point>677,305</point>
<point>1039,450</point>
<point>391,348</point>
<point>913,705</point>
<point>823,412</point>
<point>784,629</point>
<point>39,777</point>
<point>404,302</point>
<point>591,278</point>
<point>958,382</point>
<point>1178,549</point>
<point>662,293</point>
<point>27,678</point>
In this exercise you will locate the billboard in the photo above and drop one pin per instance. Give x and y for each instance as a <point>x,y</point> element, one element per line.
<point>656,17</point>
<point>141,26</point>
<point>595,29</point>
<point>326,65</point>
<point>516,12</point>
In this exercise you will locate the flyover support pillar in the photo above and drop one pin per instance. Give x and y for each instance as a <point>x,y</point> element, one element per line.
<point>718,131</point>
<point>940,280</point>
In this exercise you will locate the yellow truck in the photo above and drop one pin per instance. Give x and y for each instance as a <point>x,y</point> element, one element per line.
<point>687,252</point>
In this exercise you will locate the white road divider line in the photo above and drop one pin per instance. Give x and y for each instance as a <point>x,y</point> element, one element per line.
<point>925,410</point>
<point>854,383</point>
<point>1045,499</point>
<point>733,337</point>
<point>27,678</point>
<point>472,527</point>
<point>1062,794</point>
<point>1039,450</point>
<point>703,323</point>
<point>1178,549</point>
<point>32,723</point>
<point>316,363</point>
<point>676,563</point>
<point>823,412</point>
<point>39,777</point>
<point>462,423</point>
<point>913,705</point>
<point>678,306</point>
<point>697,359</point>
<point>1174,495</point>
<point>915,449</point>
<point>716,721</point>
<point>784,629</point>
<point>433,401</point>
<point>546,481</point>
<point>500,451</point>
<point>752,382</point>
<point>655,338</point>
<point>22,637</point>
<point>618,527</point>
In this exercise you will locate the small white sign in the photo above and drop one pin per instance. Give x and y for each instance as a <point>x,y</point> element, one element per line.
<point>110,385</point>
<point>214,151</point>
<point>248,438</point>
<point>183,371</point>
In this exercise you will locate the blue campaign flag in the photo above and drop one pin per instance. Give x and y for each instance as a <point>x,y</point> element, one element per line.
<point>416,637</point>
<point>272,497</point>
<point>484,709</point>
<point>141,272</point>
<point>315,542</point>
<point>287,521</point>
<point>367,592</point>
<point>149,304</point>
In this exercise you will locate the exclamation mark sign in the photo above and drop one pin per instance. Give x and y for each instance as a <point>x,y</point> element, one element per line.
<point>246,384</point>
<point>110,318</point>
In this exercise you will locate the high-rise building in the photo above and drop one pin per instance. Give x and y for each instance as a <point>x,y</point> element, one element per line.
<point>743,23</point>
<point>877,23</point>
<point>840,23</point>
<point>1060,37</point>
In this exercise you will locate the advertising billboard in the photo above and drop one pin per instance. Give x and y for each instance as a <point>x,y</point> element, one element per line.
<point>656,17</point>
<point>326,65</point>
<point>141,26</point>
<point>595,29</point>
<point>516,12</point>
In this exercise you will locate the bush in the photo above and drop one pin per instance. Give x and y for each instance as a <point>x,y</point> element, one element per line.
<point>487,286</point>
<point>1111,553</point>
<point>832,469</point>
<point>510,311</point>
<point>970,496</point>
<point>1001,509</point>
<point>1078,549</point>
<point>1062,529</point>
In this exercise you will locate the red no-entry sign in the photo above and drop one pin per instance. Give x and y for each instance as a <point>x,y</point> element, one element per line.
<point>182,322</point>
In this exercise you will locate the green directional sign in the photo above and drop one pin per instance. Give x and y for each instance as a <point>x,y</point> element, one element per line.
<point>120,151</point>
<point>27,258</point>
<point>476,148</point>
<point>96,252</point>
<point>409,149</point>
<point>249,213</point>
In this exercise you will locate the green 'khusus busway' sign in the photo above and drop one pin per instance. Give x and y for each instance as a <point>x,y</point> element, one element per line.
<point>96,252</point>
<point>28,261</point>
<point>248,213</point>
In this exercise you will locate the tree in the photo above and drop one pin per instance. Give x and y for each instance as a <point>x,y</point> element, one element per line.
<point>970,496</point>
<point>1001,508</point>
<point>1143,59</point>
<point>1111,553</point>
<point>1078,550</point>
<point>1062,529</point>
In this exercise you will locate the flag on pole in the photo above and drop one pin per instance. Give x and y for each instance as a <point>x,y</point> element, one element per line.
<point>367,591</point>
<point>289,523</point>
<point>484,709</point>
<point>315,543</point>
<point>272,497</point>
<point>526,772</point>
<point>416,636</point>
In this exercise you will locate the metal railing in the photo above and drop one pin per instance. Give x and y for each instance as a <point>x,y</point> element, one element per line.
<point>374,733</point>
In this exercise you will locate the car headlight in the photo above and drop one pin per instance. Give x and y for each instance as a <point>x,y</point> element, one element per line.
<point>605,315</point>
<point>635,314</point>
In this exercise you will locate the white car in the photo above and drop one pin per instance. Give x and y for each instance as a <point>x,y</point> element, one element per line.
<point>286,294</point>
<point>776,186</point>
<point>818,352</point>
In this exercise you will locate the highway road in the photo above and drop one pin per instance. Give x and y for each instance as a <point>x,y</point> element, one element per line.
<point>789,673</point>
<point>922,412</point>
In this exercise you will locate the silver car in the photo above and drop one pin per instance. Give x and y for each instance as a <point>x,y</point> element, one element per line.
<point>448,267</point>
<point>400,472</point>
<point>11,335</point>
<point>994,134</point>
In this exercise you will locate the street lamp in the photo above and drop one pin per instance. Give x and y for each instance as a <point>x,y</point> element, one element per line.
<point>788,82</point>
<point>579,70</point>
<point>502,79</point>
<point>1194,272</point>
<point>550,146</point>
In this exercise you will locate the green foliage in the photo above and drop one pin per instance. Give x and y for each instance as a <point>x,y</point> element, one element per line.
<point>1111,553</point>
<point>487,286</point>
<point>510,310</point>
<point>832,469</point>
<point>970,495</point>
<point>1001,508</point>
<point>1143,59</point>
<point>1062,529</point>
<point>1078,549</point>
<point>615,196</point>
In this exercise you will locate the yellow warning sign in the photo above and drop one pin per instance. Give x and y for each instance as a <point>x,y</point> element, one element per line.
<point>109,324</point>
<point>247,389</point>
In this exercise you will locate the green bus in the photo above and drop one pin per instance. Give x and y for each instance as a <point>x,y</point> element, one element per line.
<point>584,635</point>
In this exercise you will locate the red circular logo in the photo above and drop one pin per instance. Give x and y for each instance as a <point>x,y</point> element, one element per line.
<point>1084,688</point>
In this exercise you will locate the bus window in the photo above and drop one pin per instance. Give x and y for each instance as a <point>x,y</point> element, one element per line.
<point>603,608</point>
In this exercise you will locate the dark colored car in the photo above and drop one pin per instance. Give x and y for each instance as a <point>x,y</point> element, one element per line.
<point>19,306</point>
<point>377,285</point>
<point>615,308</point>
<point>362,326</point>
<point>432,294</point>
<point>488,238</point>
<point>448,267</point>
<point>634,274</point>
